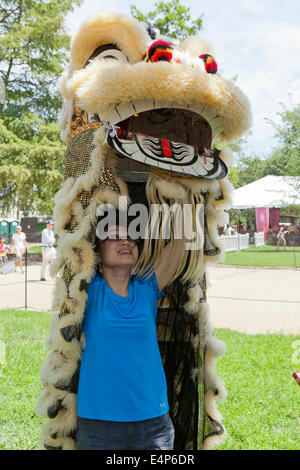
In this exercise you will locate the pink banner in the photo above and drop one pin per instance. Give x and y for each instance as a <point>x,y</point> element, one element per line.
<point>274,219</point>
<point>262,220</point>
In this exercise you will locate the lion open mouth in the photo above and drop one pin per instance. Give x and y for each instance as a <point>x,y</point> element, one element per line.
<point>170,140</point>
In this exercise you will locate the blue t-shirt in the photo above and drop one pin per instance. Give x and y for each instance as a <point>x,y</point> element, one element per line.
<point>121,375</point>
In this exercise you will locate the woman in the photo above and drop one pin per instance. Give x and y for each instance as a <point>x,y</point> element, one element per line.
<point>122,395</point>
<point>19,243</point>
<point>281,237</point>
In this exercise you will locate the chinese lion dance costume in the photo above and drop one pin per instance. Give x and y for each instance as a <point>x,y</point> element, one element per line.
<point>149,118</point>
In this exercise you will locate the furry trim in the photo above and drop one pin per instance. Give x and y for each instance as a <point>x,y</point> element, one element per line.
<point>194,295</point>
<point>80,255</point>
<point>214,218</point>
<point>216,347</point>
<point>61,85</point>
<point>212,379</point>
<point>70,239</point>
<point>60,294</point>
<point>197,46</point>
<point>65,119</point>
<point>101,86</point>
<point>56,368</point>
<point>66,420</point>
<point>210,406</point>
<point>71,350</point>
<point>109,28</point>
<point>77,211</point>
<point>61,443</point>
<point>56,264</point>
<point>197,186</point>
<point>168,188</point>
<point>213,441</point>
<point>204,320</point>
<point>56,432</point>
<point>123,189</point>
<point>227,191</point>
<point>227,156</point>
<point>48,398</point>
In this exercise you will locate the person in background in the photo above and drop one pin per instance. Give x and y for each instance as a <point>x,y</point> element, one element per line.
<point>3,250</point>
<point>48,240</point>
<point>19,243</point>
<point>281,237</point>
<point>239,226</point>
<point>229,230</point>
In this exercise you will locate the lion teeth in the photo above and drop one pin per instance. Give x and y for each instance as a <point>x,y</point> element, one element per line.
<point>125,110</point>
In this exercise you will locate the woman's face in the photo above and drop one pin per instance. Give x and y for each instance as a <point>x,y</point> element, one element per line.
<point>118,252</point>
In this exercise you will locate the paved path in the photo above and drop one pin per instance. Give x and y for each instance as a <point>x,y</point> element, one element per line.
<point>255,300</point>
<point>250,300</point>
<point>39,293</point>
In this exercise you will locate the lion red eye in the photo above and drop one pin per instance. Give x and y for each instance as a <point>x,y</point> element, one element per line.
<point>159,51</point>
<point>210,63</point>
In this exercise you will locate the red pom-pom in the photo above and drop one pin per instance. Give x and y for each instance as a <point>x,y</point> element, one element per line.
<point>210,63</point>
<point>159,51</point>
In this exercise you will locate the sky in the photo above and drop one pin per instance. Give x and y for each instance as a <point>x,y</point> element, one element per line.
<point>257,41</point>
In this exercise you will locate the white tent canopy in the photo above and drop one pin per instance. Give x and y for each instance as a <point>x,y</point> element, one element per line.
<point>270,191</point>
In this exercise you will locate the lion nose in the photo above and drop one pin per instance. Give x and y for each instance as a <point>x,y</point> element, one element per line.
<point>159,51</point>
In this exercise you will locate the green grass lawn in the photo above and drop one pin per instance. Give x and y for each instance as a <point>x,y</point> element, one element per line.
<point>24,334</point>
<point>262,408</point>
<point>36,249</point>
<point>265,256</point>
<point>260,412</point>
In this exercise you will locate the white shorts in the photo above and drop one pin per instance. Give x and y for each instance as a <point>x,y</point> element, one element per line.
<point>19,252</point>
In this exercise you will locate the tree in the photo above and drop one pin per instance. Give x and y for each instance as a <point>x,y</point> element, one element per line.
<point>33,50</point>
<point>251,168</point>
<point>233,176</point>
<point>32,164</point>
<point>285,159</point>
<point>171,18</point>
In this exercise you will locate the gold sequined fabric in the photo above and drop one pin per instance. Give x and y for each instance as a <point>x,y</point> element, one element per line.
<point>67,277</point>
<point>78,156</point>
